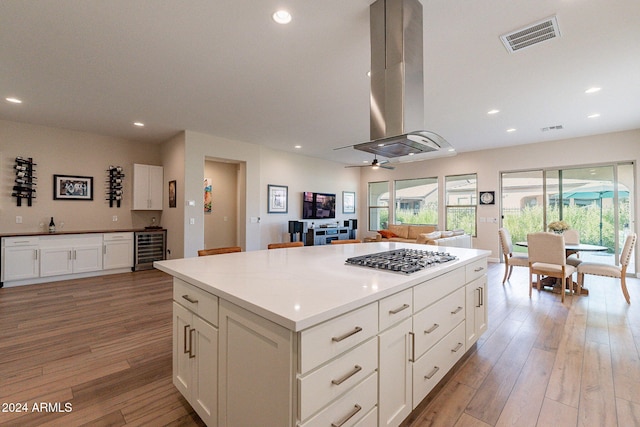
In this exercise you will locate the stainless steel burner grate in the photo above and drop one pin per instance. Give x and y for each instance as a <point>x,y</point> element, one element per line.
<point>405,261</point>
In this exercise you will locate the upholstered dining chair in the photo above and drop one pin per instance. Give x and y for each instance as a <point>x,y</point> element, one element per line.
<point>572,237</point>
<point>284,245</point>
<point>345,241</point>
<point>510,259</point>
<point>218,251</point>
<point>547,257</point>
<point>607,270</point>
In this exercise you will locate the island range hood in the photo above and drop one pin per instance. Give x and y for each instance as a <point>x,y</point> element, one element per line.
<point>397,85</point>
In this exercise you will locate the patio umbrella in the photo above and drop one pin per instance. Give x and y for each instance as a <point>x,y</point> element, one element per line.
<point>596,191</point>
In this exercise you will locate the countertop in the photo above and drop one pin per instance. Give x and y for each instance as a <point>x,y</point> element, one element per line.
<point>59,233</point>
<point>300,287</point>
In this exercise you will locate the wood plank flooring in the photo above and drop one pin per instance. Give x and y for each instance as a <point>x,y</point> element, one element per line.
<point>103,345</point>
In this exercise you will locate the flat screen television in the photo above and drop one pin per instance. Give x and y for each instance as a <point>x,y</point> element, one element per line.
<point>318,205</point>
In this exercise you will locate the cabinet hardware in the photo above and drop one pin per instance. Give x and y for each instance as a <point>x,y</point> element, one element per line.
<point>186,328</point>
<point>399,309</point>
<point>191,354</point>
<point>350,415</point>
<point>431,329</point>
<point>457,310</point>
<point>347,335</point>
<point>413,347</point>
<point>354,371</point>
<point>191,300</point>
<point>479,297</point>
<point>35,254</point>
<point>432,373</point>
<point>478,269</point>
<point>458,347</point>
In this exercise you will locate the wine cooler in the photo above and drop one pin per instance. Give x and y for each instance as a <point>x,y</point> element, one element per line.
<point>150,246</point>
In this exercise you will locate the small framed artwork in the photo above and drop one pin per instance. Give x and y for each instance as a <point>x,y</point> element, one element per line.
<point>71,187</point>
<point>348,202</point>
<point>172,194</point>
<point>278,199</point>
<point>208,195</point>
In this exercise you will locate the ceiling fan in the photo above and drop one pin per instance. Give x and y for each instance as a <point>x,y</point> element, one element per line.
<point>375,164</point>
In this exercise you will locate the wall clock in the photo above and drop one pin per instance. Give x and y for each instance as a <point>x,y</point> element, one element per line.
<point>487,198</point>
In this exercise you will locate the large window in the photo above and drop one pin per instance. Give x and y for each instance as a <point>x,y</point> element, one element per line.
<point>416,201</point>
<point>461,193</point>
<point>378,205</point>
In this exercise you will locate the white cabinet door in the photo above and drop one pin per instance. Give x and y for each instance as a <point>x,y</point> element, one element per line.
<point>147,187</point>
<point>20,262</point>
<point>476,310</point>
<point>87,258</point>
<point>56,261</point>
<point>182,375</point>
<point>118,254</point>
<point>395,400</point>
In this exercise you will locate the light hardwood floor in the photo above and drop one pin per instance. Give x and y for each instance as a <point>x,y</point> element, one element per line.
<point>104,346</point>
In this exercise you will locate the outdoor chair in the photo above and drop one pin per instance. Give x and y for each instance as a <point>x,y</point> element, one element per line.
<point>607,270</point>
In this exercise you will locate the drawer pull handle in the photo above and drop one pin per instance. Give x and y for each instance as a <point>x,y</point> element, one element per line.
<point>413,347</point>
<point>350,415</point>
<point>458,347</point>
<point>399,309</point>
<point>457,310</point>
<point>186,332</point>
<point>354,371</point>
<point>191,300</point>
<point>431,329</point>
<point>192,354</point>
<point>478,269</point>
<point>347,335</point>
<point>432,373</point>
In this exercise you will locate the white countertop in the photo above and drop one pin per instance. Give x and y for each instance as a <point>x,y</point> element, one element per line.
<point>301,287</point>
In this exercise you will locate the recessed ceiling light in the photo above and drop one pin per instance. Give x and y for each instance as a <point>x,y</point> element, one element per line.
<point>14,100</point>
<point>593,90</point>
<point>593,116</point>
<point>452,149</point>
<point>282,17</point>
<point>494,111</point>
<point>297,146</point>
<point>511,130</point>
<point>139,124</point>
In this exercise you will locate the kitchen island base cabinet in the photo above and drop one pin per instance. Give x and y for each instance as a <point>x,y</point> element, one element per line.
<point>395,374</point>
<point>256,370</point>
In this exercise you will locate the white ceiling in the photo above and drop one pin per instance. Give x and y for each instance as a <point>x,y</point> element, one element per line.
<point>223,67</point>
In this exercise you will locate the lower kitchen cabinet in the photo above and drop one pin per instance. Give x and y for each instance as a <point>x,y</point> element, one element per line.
<point>118,250</point>
<point>20,258</point>
<point>395,374</point>
<point>62,255</point>
<point>476,310</point>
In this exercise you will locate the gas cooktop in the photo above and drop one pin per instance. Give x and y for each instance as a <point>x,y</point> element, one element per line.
<point>405,261</point>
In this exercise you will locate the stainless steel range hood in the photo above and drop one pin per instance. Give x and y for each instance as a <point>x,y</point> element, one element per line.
<point>397,85</point>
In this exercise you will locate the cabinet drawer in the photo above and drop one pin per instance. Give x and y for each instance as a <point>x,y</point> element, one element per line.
<point>395,308</point>
<point>333,337</point>
<point>195,299</point>
<point>349,409</point>
<point>19,241</point>
<point>433,366</point>
<point>476,269</point>
<point>431,291</point>
<point>433,323</point>
<point>325,384</point>
<point>107,237</point>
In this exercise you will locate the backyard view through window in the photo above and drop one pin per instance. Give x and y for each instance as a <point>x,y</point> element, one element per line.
<point>416,201</point>
<point>461,200</point>
<point>596,201</point>
<point>378,205</point>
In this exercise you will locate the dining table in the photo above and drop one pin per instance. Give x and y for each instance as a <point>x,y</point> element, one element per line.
<point>570,248</point>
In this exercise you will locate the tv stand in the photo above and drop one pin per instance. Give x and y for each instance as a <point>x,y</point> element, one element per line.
<point>324,236</point>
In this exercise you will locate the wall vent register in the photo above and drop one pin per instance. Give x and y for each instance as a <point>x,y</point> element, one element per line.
<point>405,261</point>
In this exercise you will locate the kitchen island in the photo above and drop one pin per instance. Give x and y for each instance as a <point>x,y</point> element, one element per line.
<point>295,336</point>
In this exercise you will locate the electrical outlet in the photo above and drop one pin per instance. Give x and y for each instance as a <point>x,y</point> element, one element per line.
<point>18,219</point>
<point>114,218</point>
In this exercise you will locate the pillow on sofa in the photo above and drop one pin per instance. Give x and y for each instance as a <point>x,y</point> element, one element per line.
<point>400,230</point>
<point>387,234</point>
<point>416,230</point>
<point>428,237</point>
<point>458,232</point>
<point>447,233</point>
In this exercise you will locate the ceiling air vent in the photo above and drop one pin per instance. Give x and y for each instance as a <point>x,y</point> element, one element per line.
<point>556,127</point>
<point>531,35</point>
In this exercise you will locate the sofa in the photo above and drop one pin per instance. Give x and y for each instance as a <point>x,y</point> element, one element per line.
<point>425,234</point>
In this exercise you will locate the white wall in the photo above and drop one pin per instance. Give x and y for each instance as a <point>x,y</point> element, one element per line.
<point>173,160</point>
<point>488,164</point>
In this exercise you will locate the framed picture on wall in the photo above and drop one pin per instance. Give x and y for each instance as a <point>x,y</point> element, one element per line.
<point>172,194</point>
<point>348,202</point>
<point>208,195</point>
<point>71,187</point>
<point>278,199</point>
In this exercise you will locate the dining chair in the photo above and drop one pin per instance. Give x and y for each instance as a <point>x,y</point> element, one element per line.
<point>218,251</point>
<point>510,259</point>
<point>284,245</point>
<point>607,270</point>
<point>547,257</point>
<point>345,241</point>
<point>572,237</point>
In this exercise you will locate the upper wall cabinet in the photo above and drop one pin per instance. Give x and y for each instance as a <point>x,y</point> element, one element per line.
<point>147,187</point>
